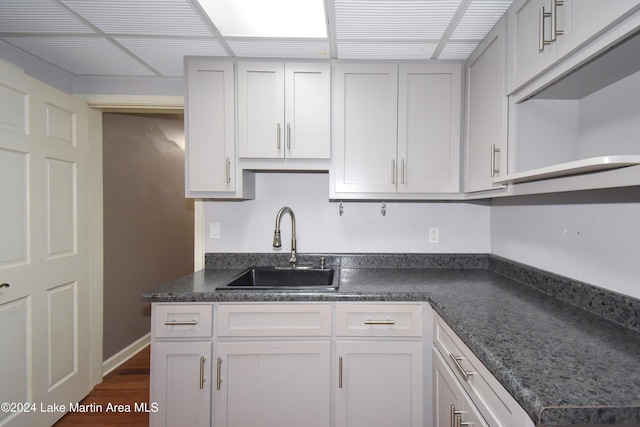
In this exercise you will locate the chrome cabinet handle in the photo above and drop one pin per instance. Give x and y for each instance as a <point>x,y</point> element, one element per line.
<point>288,136</point>
<point>340,372</point>
<point>555,32</point>
<point>218,373</point>
<point>402,171</point>
<point>202,378</point>
<point>393,171</point>
<point>494,169</point>
<point>278,136</point>
<point>380,322</point>
<point>554,19</point>
<point>228,170</point>
<point>5,285</point>
<point>453,416</point>
<point>456,362</point>
<point>181,322</point>
<point>542,42</point>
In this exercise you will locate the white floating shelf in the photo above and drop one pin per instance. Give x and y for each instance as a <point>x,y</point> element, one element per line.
<point>593,164</point>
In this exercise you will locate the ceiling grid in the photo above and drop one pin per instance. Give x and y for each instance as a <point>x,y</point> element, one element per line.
<point>151,37</point>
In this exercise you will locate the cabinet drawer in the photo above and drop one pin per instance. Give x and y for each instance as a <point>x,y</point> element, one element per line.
<point>383,320</point>
<point>493,401</point>
<point>182,320</point>
<point>274,320</point>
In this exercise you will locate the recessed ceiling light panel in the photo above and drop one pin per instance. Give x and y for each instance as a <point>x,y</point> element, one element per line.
<point>273,19</point>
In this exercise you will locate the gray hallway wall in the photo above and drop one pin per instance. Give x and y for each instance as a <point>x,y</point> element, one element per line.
<point>148,223</point>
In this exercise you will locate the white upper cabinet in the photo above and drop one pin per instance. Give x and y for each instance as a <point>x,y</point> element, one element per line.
<point>542,32</point>
<point>397,129</point>
<point>366,123</point>
<point>579,117</point>
<point>485,141</point>
<point>210,128</point>
<point>284,110</point>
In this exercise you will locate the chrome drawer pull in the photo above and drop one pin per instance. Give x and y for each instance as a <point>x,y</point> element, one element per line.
<point>456,362</point>
<point>181,322</point>
<point>379,322</point>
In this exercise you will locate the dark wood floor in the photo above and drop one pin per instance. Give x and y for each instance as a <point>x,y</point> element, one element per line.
<point>126,385</point>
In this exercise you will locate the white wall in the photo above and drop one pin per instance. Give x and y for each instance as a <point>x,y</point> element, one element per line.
<point>589,236</point>
<point>248,226</point>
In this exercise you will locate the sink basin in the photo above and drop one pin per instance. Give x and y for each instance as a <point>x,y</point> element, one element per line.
<point>285,278</point>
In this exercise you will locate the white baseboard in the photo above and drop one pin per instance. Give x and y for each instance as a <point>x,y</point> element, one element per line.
<point>125,354</point>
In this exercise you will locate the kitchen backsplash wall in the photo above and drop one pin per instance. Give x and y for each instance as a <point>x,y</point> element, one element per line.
<point>248,226</point>
<point>592,236</point>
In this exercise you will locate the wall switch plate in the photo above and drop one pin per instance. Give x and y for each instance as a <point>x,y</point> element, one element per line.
<point>214,230</point>
<point>434,235</point>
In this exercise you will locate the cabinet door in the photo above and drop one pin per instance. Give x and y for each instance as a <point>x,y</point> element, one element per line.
<point>525,60</point>
<point>307,111</point>
<point>273,384</point>
<point>365,108</point>
<point>485,145</point>
<point>379,384</point>
<point>210,128</point>
<point>181,386</point>
<point>429,128</point>
<point>584,19</point>
<point>451,406</point>
<point>261,109</point>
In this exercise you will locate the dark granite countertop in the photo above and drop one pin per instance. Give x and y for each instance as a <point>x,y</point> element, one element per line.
<point>563,364</point>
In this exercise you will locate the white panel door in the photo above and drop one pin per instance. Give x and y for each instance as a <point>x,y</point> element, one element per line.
<point>45,240</point>
<point>273,384</point>
<point>210,127</point>
<point>261,109</point>
<point>429,128</point>
<point>366,122</point>
<point>379,384</point>
<point>307,110</point>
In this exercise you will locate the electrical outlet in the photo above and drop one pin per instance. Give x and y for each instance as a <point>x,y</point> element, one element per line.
<point>214,230</point>
<point>434,235</point>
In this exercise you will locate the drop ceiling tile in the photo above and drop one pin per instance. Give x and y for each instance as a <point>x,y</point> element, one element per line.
<point>38,16</point>
<point>280,48</point>
<point>81,55</point>
<point>166,17</point>
<point>390,19</point>
<point>458,50</point>
<point>479,18</point>
<point>385,50</point>
<point>166,55</point>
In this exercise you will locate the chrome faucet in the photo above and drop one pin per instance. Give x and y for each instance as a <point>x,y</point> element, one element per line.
<point>276,234</point>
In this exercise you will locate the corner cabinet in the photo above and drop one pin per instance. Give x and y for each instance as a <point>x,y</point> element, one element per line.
<point>396,130</point>
<point>283,110</point>
<point>542,32</point>
<point>485,139</point>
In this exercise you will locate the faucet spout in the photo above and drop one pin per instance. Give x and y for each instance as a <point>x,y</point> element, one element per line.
<point>277,242</point>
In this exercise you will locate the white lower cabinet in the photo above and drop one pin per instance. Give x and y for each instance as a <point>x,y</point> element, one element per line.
<point>379,383</point>
<point>272,365</point>
<point>452,405</point>
<point>318,364</point>
<point>272,383</point>
<point>379,352</point>
<point>181,348</point>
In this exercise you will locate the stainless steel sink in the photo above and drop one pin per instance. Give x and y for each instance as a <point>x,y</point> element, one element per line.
<point>285,278</point>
